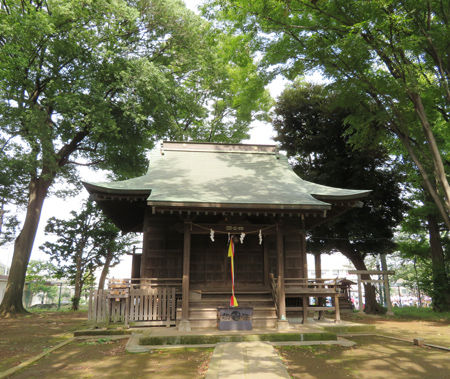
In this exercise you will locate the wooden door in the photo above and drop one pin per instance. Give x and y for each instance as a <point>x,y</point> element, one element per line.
<point>208,260</point>
<point>249,262</point>
<point>210,265</point>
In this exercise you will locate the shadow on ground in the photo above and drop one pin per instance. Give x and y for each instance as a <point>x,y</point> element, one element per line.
<point>372,357</point>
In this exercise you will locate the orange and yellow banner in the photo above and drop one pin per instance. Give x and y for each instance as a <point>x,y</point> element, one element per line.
<point>233,301</point>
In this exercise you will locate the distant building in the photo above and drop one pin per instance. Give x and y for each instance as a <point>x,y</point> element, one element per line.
<point>3,269</point>
<point>3,281</point>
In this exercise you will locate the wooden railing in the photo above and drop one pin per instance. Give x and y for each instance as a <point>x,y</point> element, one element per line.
<point>140,283</point>
<point>306,288</point>
<point>142,300</point>
<point>312,287</point>
<point>317,287</point>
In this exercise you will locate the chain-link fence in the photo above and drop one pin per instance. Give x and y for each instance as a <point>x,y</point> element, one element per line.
<point>51,295</point>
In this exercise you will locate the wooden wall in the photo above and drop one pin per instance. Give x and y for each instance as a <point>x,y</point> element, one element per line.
<point>294,256</point>
<point>208,259</point>
<point>163,257</point>
<point>210,262</point>
<point>163,253</point>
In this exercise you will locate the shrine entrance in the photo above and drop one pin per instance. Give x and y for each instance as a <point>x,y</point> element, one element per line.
<point>210,265</point>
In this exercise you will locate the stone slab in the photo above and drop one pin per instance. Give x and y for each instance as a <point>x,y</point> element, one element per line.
<point>246,360</point>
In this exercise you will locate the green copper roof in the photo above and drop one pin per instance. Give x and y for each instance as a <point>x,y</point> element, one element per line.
<point>212,174</point>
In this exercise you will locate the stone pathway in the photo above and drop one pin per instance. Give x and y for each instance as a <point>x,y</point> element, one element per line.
<point>246,360</point>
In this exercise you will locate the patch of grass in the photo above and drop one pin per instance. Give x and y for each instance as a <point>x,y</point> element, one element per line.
<point>275,337</point>
<point>63,309</point>
<point>102,332</point>
<point>414,313</point>
<point>350,329</point>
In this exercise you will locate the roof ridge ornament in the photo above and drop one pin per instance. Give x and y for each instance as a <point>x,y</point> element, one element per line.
<point>219,147</point>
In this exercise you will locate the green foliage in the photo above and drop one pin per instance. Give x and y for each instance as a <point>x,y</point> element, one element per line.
<point>87,236</point>
<point>414,267</point>
<point>388,60</point>
<point>39,277</point>
<point>311,128</point>
<point>97,83</point>
<point>414,313</point>
<point>101,81</point>
<point>83,244</point>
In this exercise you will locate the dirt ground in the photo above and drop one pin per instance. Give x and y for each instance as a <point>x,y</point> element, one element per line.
<point>433,332</point>
<point>106,358</point>
<point>26,336</point>
<point>371,358</point>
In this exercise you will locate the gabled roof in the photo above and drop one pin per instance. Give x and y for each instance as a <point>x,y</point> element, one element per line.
<point>226,176</point>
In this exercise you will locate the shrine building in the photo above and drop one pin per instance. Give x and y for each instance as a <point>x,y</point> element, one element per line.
<point>193,199</point>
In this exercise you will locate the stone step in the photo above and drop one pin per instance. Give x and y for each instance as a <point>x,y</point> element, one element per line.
<point>256,323</point>
<point>225,294</point>
<point>211,313</point>
<point>237,291</point>
<point>225,303</point>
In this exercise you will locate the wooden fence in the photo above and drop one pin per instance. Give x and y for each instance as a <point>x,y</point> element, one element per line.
<point>156,306</point>
<point>150,306</point>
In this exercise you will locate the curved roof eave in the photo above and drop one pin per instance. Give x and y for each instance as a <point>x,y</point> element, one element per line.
<point>355,196</point>
<point>99,188</point>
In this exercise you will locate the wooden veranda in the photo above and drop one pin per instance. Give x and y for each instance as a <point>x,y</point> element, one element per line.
<point>158,302</point>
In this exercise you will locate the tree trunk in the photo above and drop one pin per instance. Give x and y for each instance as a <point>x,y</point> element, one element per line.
<point>371,305</point>
<point>105,270</point>
<point>419,295</point>
<point>434,149</point>
<point>78,281</point>
<point>12,301</point>
<point>429,188</point>
<point>441,285</point>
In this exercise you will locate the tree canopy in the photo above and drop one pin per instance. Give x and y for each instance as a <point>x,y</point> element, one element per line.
<point>388,59</point>
<point>39,276</point>
<point>85,242</point>
<point>97,82</point>
<point>312,129</point>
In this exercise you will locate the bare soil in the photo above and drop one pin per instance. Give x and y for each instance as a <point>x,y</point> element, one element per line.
<point>106,358</point>
<point>25,336</point>
<point>371,358</point>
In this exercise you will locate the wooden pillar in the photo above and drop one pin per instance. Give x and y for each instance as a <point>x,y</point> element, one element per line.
<point>266,264</point>
<point>186,270</point>
<point>127,310</point>
<point>305,308</point>
<point>184,324</point>
<point>318,271</point>
<point>303,253</point>
<point>336,308</point>
<point>145,247</point>
<point>305,299</point>
<point>280,283</point>
<point>318,265</point>
<point>136,266</point>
